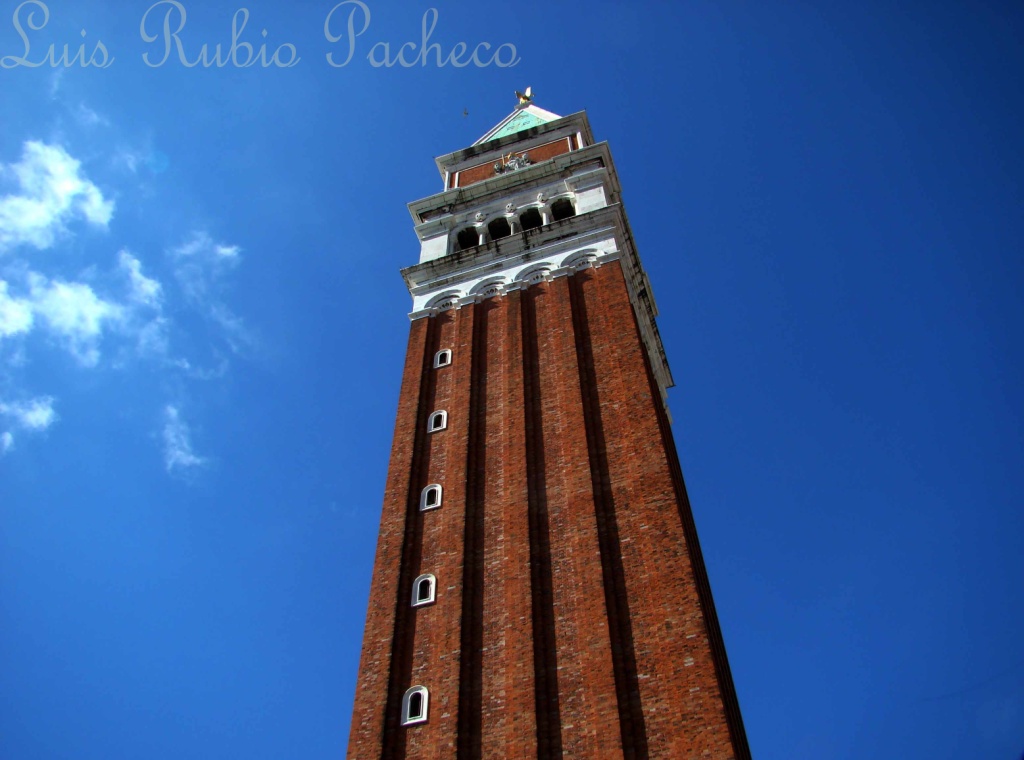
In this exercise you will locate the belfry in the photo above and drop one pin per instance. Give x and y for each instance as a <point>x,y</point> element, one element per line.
<point>538,589</point>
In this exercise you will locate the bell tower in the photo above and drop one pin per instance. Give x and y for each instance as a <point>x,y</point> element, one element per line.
<point>538,589</point>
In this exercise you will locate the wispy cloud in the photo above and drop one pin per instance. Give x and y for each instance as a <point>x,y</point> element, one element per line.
<point>135,158</point>
<point>89,117</point>
<point>200,262</point>
<point>204,373</point>
<point>55,79</point>
<point>51,191</point>
<point>178,452</point>
<point>152,339</point>
<point>111,310</point>
<point>129,158</point>
<point>199,266</point>
<point>143,309</point>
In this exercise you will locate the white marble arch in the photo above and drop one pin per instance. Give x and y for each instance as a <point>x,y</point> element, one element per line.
<point>581,260</point>
<point>444,301</point>
<point>492,287</point>
<point>535,273</point>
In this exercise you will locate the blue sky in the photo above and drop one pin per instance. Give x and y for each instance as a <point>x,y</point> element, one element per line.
<point>202,328</point>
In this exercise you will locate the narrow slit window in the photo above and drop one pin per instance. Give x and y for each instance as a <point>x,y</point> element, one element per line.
<point>531,219</point>
<point>424,590</point>
<point>431,497</point>
<point>562,209</point>
<point>414,705</point>
<point>443,358</point>
<point>438,421</point>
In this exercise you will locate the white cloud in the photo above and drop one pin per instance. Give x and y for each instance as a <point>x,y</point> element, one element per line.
<point>15,313</point>
<point>144,290</point>
<point>36,414</point>
<point>178,451</point>
<point>80,318</point>
<point>75,313</point>
<point>52,191</point>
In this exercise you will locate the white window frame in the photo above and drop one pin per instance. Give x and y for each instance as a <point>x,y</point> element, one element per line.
<point>409,720</point>
<point>423,497</point>
<point>444,353</point>
<point>431,427</point>
<point>416,601</point>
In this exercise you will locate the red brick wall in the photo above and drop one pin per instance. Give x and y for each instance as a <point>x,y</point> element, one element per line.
<point>586,687</point>
<point>573,615</point>
<point>484,171</point>
<point>383,615</point>
<point>508,718</point>
<point>684,712</point>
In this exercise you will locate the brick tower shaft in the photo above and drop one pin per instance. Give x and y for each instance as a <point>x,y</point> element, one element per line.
<point>538,589</point>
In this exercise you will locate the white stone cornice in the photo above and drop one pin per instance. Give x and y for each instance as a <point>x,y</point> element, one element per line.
<point>559,256</point>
